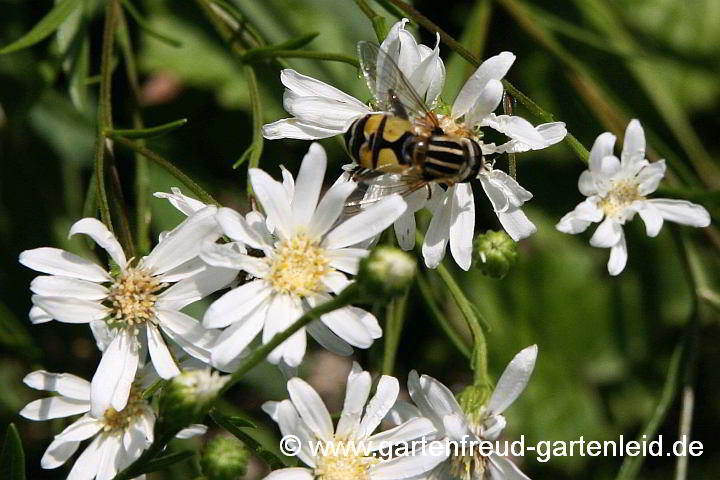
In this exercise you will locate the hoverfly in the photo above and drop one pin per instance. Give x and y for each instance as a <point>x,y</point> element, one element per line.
<point>407,144</point>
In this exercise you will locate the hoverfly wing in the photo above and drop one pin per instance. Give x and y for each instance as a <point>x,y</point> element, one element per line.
<point>374,186</point>
<point>388,84</point>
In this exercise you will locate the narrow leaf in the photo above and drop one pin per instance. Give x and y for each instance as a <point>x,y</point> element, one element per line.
<point>44,27</point>
<point>150,132</point>
<point>165,461</point>
<point>12,460</point>
<point>292,44</point>
<point>145,25</point>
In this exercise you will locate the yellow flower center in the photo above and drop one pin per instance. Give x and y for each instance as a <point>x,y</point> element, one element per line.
<point>468,467</point>
<point>132,298</point>
<point>451,127</point>
<point>622,194</point>
<point>115,420</point>
<point>343,461</point>
<point>298,266</point>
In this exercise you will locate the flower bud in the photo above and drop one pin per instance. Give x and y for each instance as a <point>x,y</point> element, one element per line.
<point>494,253</point>
<point>225,458</point>
<point>473,399</point>
<point>386,272</point>
<point>188,396</point>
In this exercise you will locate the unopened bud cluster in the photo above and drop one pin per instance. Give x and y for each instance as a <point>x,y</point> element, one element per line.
<point>386,272</point>
<point>494,253</point>
<point>189,395</point>
<point>225,458</point>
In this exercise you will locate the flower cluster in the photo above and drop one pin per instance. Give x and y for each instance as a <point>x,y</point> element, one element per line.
<point>300,248</point>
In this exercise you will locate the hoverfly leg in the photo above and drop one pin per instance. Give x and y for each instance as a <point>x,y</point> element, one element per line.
<point>429,191</point>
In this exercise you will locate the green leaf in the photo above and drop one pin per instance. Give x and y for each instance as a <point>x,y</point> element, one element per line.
<point>12,460</point>
<point>244,430</point>
<point>149,132</point>
<point>292,44</point>
<point>165,461</point>
<point>145,25</point>
<point>44,27</point>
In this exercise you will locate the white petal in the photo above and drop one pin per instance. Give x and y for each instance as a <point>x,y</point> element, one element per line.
<point>503,469</point>
<point>330,208</point>
<point>401,412</point>
<point>288,182</point>
<point>438,233</point>
<point>682,212</point>
<point>347,259</point>
<point>110,386</point>
<point>367,223</point>
<point>96,230</point>
<point>493,68</point>
<point>235,304</point>
<point>327,339</point>
<point>603,147</point>
<point>38,315</point>
<point>588,183</point>
<point>607,234</point>
<point>405,230</point>
<point>109,452</point>
<point>71,310</point>
<point>405,433</point>
<point>233,340</point>
<point>311,408</point>
<point>60,262</point>
<point>456,426</point>
<point>308,86</point>
<point>283,312</point>
<point>291,473</point>
<point>274,200</point>
<point>192,431</point>
<point>649,177</point>
<point>184,242</point>
<point>618,257</point>
<point>633,151</point>
<point>236,227</point>
<point>309,182</point>
<point>652,218</point>
<point>58,453</point>
<point>54,407</point>
<point>516,224</point>
<point>407,466</point>
<point>335,281</point>
<point>439,397</point>
<point>161,357</point>
<point>356,394</point>
<point>56,286</point>
<point>429,76</point>
<point>380,404</point>
<point>462,224</point>
<point>420,398</point>
<point>513,380</point>
<point>487,101</point>
<point>86,465</point>
<point>321,111</point>
<point>348,326</point>
<point>188,333</point>
<point>185,204</point>
<point>580,218</point>
<point>183,271</point>
<point>82,429</point>
<point>65,384</point>
<point>296,128</point>
<point>516,128</point>
<point>195,288</point>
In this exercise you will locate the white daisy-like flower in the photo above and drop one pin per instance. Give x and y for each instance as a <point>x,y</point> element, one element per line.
<point>119,436</point>
<point>306,259</point>
<point>617,189</point>
<point>344,453</point>
<point>129,309</point>
<point>435,401</point>
<point>320,111</point>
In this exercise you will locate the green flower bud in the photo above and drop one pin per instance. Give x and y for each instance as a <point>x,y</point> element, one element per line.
<point>225,458</point>
<point>472,400</point>
<point>386,272</point>
<point>494,253</point>
<point>188,396</point>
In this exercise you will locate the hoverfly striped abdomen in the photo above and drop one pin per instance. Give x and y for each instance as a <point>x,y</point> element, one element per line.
<point>377,141</point>
<point>452,158</point>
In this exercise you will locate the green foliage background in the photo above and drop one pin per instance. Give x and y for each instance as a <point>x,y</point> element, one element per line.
<point>605,343</point>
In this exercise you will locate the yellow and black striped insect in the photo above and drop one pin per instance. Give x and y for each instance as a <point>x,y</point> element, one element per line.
<point>407,142</point>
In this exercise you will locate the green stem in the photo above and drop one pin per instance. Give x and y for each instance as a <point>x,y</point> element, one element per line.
<point>479,353</point>
<point>167,165</point>
<point>270,53</point>
<point>453,44</point>
<point>378,21</point>
<point>104,113</point>
<point>395,318</point>
<point>428,297</point>
<point>257,122</point>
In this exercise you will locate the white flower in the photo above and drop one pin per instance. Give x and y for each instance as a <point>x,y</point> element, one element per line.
<point>306,259</point>
<point>437,403</point>
<point>185,204</point>
<point>617,189</point>
<point>128,310</point>
<point>120,436</point>
<point>305,416</point>
<point>322,111</point>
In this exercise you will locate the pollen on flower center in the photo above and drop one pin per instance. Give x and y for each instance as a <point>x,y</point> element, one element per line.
<point>468,467</point>
<point>132,298</point>
<point>343,461</point>
<point>622,194</point>
<point>115,420</point>
<point>298,266</point>
<point>452,127</point>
